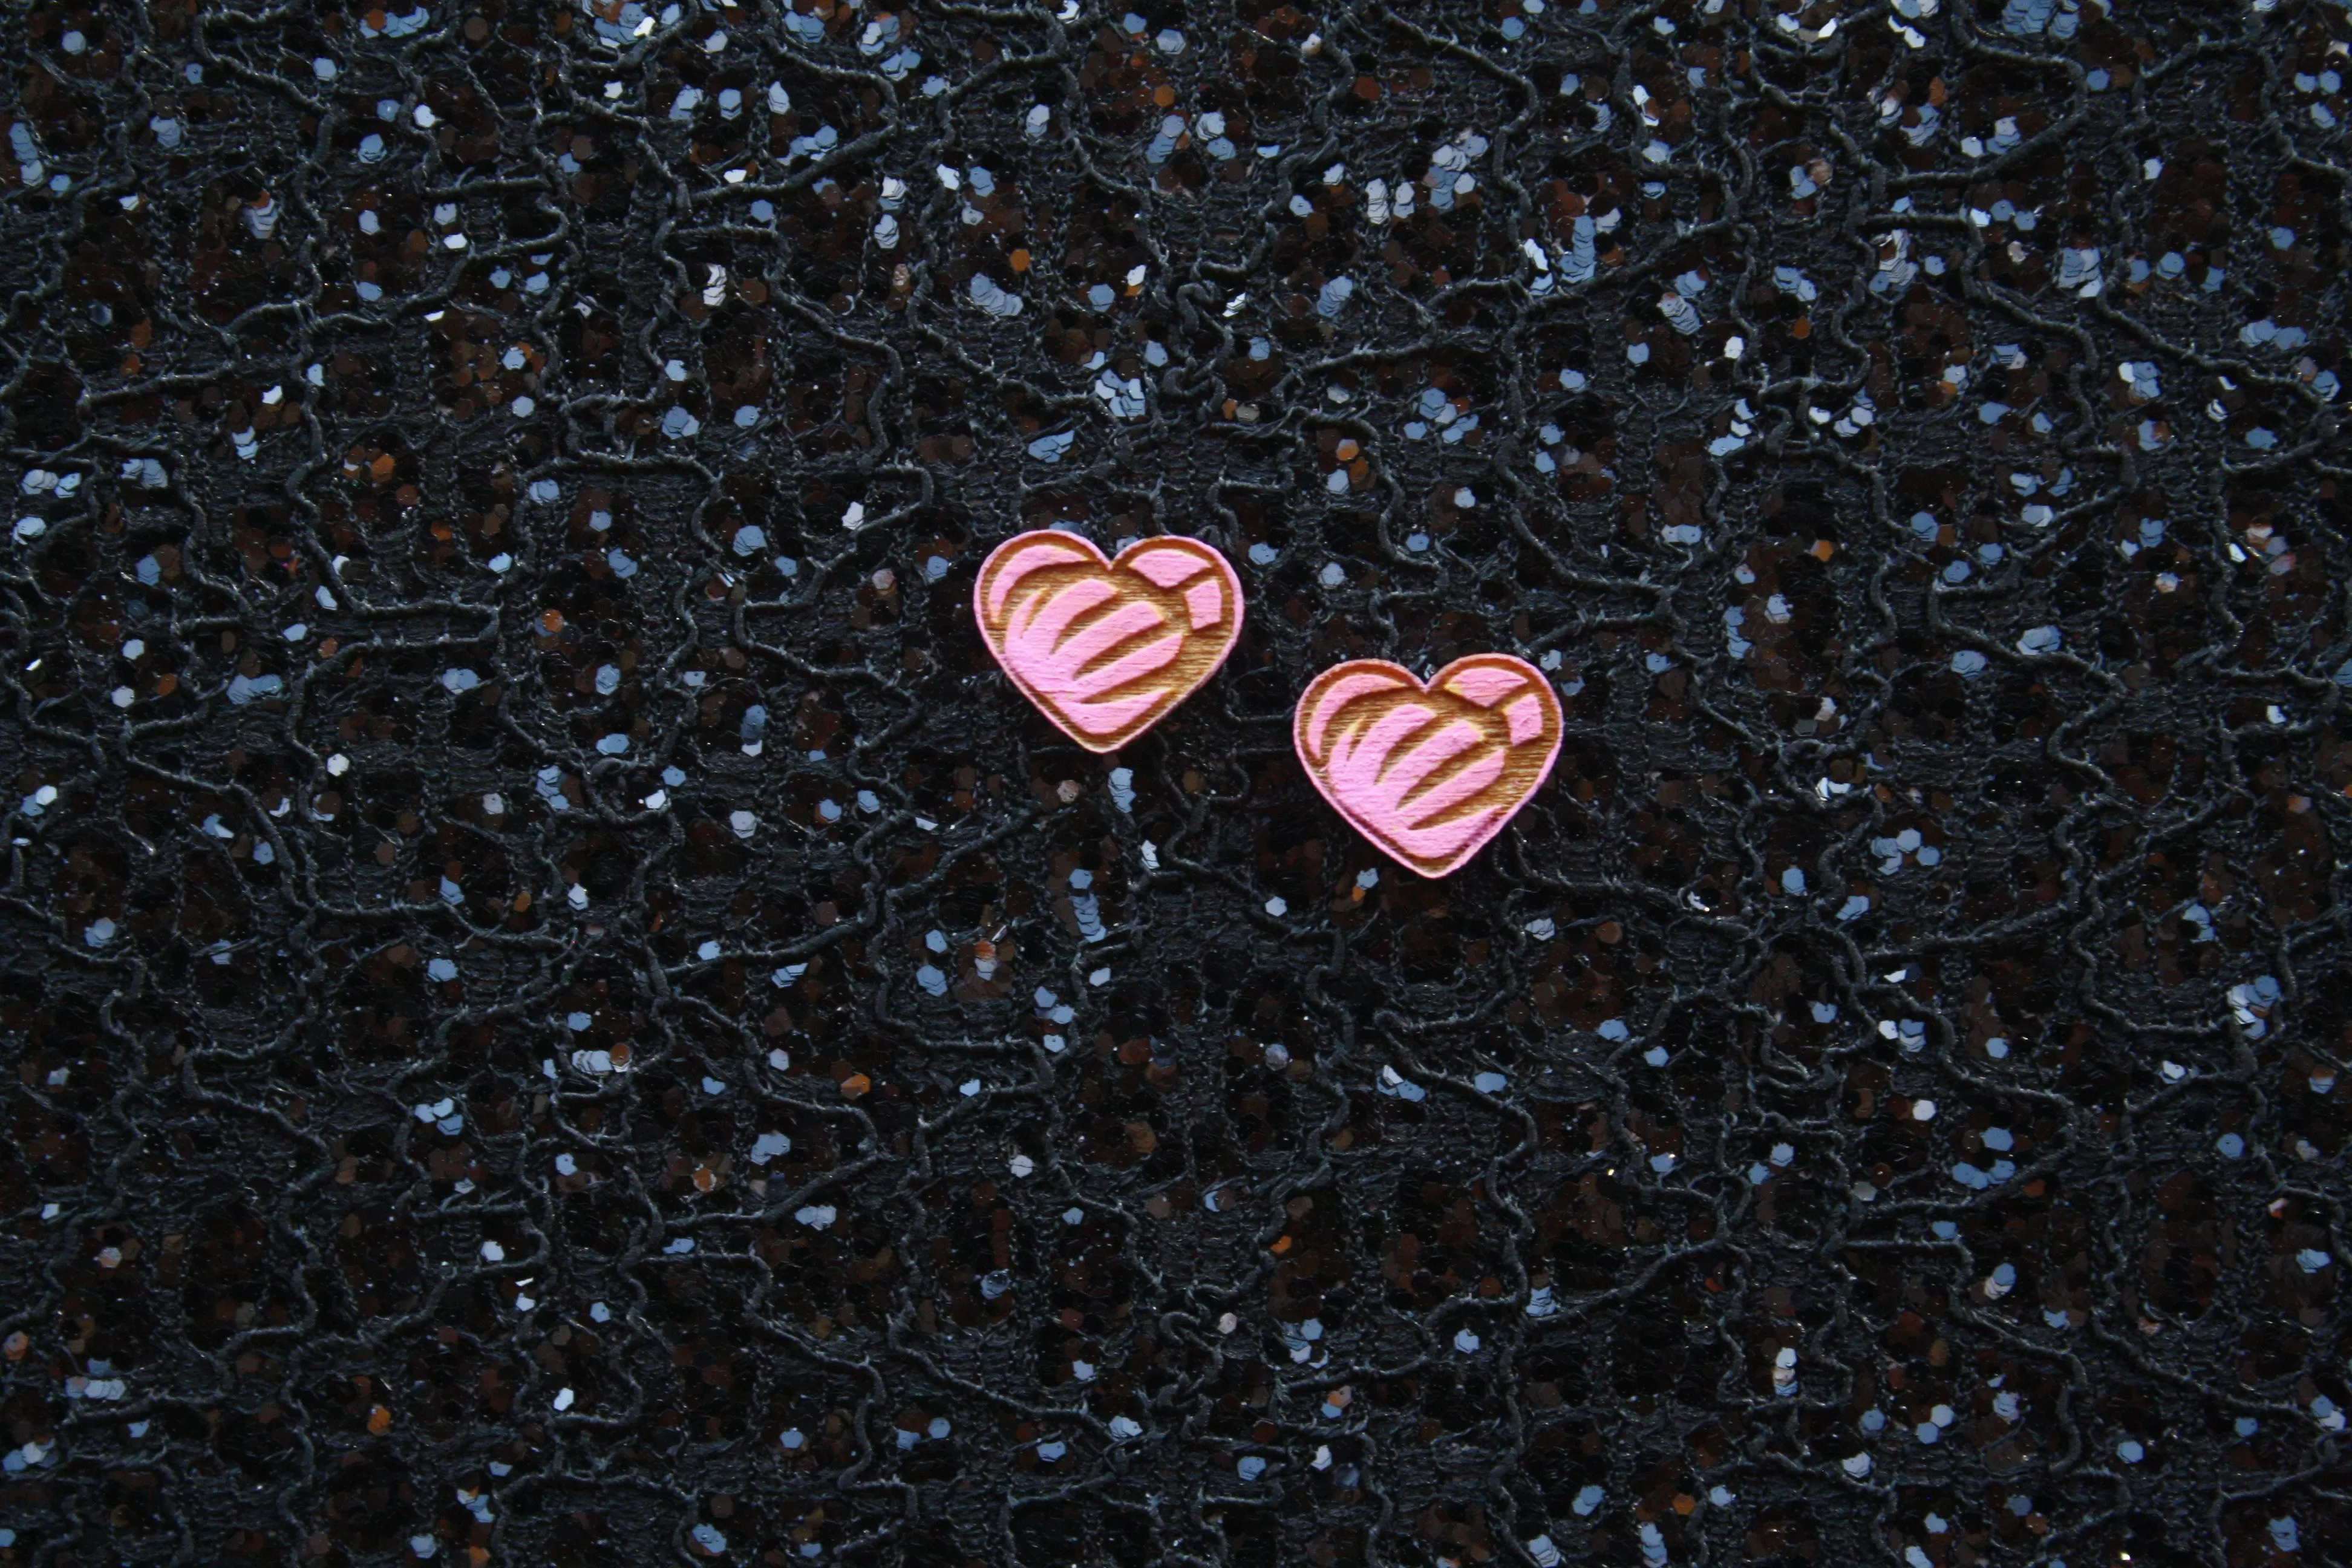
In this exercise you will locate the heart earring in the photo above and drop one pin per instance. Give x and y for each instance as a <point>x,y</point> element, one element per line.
<point>1429,773</point>
<point>1105,648</point>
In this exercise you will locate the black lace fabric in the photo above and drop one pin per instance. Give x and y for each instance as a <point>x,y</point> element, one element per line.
<point>559,1010</point>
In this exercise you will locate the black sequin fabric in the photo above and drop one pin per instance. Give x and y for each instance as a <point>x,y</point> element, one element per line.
<point>558,1009</point>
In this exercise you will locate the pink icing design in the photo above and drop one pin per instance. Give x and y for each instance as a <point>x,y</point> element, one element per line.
<point>1039,552</point>
<point>1204,603</point>
<point>1105,648</point>
<point>1362,679</point>
<point>1429,773</point>
<point>1163,567</point>
<point>1484,684</point>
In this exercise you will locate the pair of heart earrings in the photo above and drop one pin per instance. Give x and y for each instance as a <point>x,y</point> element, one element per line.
<point>1105,648</point>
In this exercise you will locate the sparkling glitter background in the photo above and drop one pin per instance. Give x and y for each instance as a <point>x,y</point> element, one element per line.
<point>560,1011</point>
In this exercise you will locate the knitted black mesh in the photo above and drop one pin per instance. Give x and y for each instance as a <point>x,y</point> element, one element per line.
<point>552,1009</point>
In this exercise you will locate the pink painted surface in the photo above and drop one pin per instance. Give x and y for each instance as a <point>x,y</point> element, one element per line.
<point>1429,773</point>
<point>1104,648</point>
